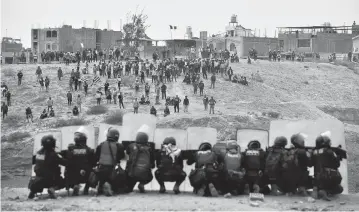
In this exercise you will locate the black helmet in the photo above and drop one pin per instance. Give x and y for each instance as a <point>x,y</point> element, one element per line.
<point>141,137</point>
<point>169,140</point>
<point>112,134</point>
<point>319,141</point>
<point>205,146</point>
<point>233,145</point>
<point>254,144</point>
<point>280,141</point>
<point>48,142</point>
<point>297,140</point>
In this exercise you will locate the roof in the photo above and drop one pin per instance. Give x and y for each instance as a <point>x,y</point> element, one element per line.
<point>313,27</point>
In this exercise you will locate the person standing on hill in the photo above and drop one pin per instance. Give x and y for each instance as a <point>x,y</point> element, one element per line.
<point>79,102</point>
<point>106,86</point>
<point>195,86</point>
<point>185,104</point>
<point>230,73</point>
<point>69,98</point>
<point>86,86</point>
<point>98,97</point>
<point>120,100</point>
<point>47,83</point>
<point>50,104</point>
<point>136,105</point>
<point>176,102</point>
<point>19,77</point>
<point>38,73</point>
<point>213,81</point>
<point>41,81</point>
<point>163,90</point>
<point>211,102</point>
<point>205,102</point>
<point>59,73</point>
<point>201,87</point>
<point>4,110</point>
<point>28,113</point>
<point>114,96</point>
<point>8,98</point>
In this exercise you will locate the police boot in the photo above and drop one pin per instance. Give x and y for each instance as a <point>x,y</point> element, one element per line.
<point>86,190</point>
<point>302,191</point>
<point>31,195</point>
<point>162,187</point>
<point>201,190</point>
<point>246,189</point>
<point>256,188</point>
<point>315,193</point>
<point>176,188</point>
<point>107,189</point>
<point>51,192</point>
<point>76,190</point>
<point>323,195</point>
<point>141,187</point>
<point>213,190</point>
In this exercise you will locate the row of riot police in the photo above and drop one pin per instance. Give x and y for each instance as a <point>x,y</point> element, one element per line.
<point>221,169</point>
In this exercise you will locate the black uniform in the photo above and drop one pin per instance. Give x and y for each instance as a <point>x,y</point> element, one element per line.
<point>141,161</point>
<point>327,177</point>
<point>206,176</point>
<point>108,154</point>
<point>169,166</point>
<point>254,162</point>
<point>47,169</point>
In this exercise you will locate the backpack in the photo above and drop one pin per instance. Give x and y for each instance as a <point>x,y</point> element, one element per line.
<point>142,162</point>
<point>290,160</point>
<point>273,160</point>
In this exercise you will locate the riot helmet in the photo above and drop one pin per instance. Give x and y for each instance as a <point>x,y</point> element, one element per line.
<point>280,141</point>
<point>169,140</point>
<point>48,142</point>
<point>255,144</point>
<point>112,134</point>
<point>205,146</point>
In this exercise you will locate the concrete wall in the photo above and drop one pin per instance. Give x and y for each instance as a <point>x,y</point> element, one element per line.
<point>85,36</point>
<point>45,43</point>
<point>262,45</point>
<point>356,45</point>
<point>107,39</point>
<point>321,43</point>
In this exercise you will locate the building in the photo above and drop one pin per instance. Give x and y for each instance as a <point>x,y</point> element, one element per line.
<point>324,39</point>
<point>356,46</point>
<point>69,39</point>
<point>240,40</point>
<point>11,49</point>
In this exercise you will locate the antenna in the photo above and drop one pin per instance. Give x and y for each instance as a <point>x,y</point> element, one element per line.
<point>120,24</point>
<point>84,24</point>
<point>94,24</point>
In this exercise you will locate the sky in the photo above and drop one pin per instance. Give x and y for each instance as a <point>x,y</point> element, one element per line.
<point>19,16</point>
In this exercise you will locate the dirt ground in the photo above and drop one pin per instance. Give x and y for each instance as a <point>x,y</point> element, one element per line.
<point>291,90</point>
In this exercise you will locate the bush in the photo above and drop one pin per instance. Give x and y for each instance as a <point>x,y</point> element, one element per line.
<point>69,122</point>
<point>114,118</point>
<point>9,72</point>
<point>96,110</point>
<point>16,136</point>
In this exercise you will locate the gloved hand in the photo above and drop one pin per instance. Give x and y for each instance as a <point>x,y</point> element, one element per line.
<point>260,173</point>
<point>82,172</point>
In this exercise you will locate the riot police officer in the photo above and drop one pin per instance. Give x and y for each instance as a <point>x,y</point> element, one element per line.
<point>170,165</point>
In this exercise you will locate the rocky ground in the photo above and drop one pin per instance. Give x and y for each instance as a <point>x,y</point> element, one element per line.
<point>286,90</point>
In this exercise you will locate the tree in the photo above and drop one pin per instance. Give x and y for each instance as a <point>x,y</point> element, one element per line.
<point>134,31</point>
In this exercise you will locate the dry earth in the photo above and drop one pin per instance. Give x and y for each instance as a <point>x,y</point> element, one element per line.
<point>289,91</point>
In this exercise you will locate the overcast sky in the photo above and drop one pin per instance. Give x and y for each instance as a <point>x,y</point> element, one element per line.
<point>19,16</point>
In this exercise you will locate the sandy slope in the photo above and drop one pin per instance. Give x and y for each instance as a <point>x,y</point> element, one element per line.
<point>294,90</point>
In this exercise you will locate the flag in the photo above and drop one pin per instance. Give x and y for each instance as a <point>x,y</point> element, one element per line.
<point>171,27</point>
<point>82,45</point>
<point>174,27</point>
<point>96,79</point>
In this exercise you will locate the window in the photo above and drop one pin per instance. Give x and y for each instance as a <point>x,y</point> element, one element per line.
<point>34,45</point>
<point>303,43</point>
<point>48,34</point>
<point>54,34</point>
<point>48,47</point>
<point>281,43</point>
<point>232,47</point>
<point>34,33</point>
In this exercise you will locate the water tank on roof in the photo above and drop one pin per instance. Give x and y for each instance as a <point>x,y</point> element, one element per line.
<point>203,35</point>
<point>189,30</point>
<point>233,19</point>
